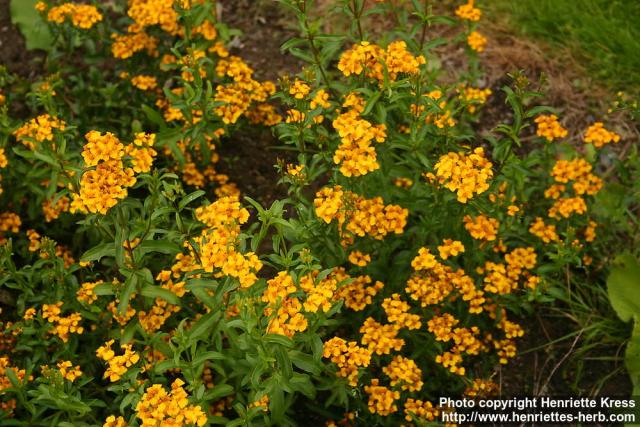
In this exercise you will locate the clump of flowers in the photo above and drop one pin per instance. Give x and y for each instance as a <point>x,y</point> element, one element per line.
<point>357,215</point>
<point>83,16</point>
<point>157,407</point>
<point>464,174</point>
<point>106,178</point>
<point>118,365</point>
<point>218,241</point>
<point>597,135</point>
<point>355,154</point>
<point>348,356</point>
<point>477,41</point>
<point>38,130</point>
<point>549,127</point>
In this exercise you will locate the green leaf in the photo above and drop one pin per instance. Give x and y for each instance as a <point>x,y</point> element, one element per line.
<point>218,391</point>
<point>278,339</point>
<point>284,363</point>
<point>152,291</point>
<point>97,252</point>
<point>371,103</point>
<point>207,355</point>
<point>153,116</point>
<point>305,362</point>
<point>103,289</point>
<point>162,246</point>
<point>190,198</point>
<point>276,404</point>
<point>33,28</point>
<point>632,357</point>
<point>129,288</point>
<point>623,285</point>
<point>204,325</point>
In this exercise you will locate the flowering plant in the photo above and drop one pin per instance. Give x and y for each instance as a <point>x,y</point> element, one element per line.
<point>145,291</point>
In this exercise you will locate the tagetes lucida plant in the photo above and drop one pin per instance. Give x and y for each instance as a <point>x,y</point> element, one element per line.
<point>147,291</point>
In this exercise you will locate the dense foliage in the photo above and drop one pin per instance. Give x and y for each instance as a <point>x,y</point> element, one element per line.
<point>145,290</point>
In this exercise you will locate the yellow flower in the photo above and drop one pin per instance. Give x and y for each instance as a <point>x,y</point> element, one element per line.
<point>381,399</point>
<point>156,407</point>
<point>380,339</point>
<point>143,82</point>
<point>358,215</point>
<point>599,136</point>
<point>419,410</point>
<point>549,127</point>
<point>126,45</point>
<point>476,41</point>
<point>299,89</point>
<point>82,16</point>
<point>39,130</point>
<point>360,259</point>
<point>68,371</point>
<point>546,232</point>
<point>468,11</point>
<point>481,227</point>
<point>465,174</point>
<point>404,372</point>
<point>397,312</point>
<point>86,294</point>
<point>450,248</point>
<point>113,421</point>
<point>118,365</point>
<point>348,356</point>
<point>356,154</point>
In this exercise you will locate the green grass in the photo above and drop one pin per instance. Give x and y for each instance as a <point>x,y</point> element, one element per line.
<point>604,35</point>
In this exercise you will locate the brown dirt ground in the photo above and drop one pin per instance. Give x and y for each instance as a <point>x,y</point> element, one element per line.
<point>249,161</point>
<point>13,53</point>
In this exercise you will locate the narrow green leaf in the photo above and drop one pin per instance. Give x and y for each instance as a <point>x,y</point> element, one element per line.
<point>152,291</point>
<point>98,252</point>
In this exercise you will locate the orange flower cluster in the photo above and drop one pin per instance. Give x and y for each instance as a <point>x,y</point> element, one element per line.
<point>433,282</point>
<point>348,356</point>
<point>405,373</point>
<point>481,227</point>
<point>38,130</point>
<point>472,96</point>
<point>468,11</point>
<point>464,339</point>
<point>68,371</point>
<point>218,241</point>
<point>503,279</point>
<point>372,60</point>
<point>106,179</point>
<point>464,174</point>
<point>549,127</point>
<point>358,292</point>
<point>380,339</point>
<point>284,311</point>
<point>118,365</point>
<point>158,408</point>
<point>83,16</point>
<point>357,215</point>
<point>476,41</point>
<point>381,399</point>
<point>238,97</point>
<point>597,135</point>
<point>355,155</point>
<point>63,326</point>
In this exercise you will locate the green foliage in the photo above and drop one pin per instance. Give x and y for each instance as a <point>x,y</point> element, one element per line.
<point>413,235</point>
<point>25,16</point>
<point>624,293</point>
